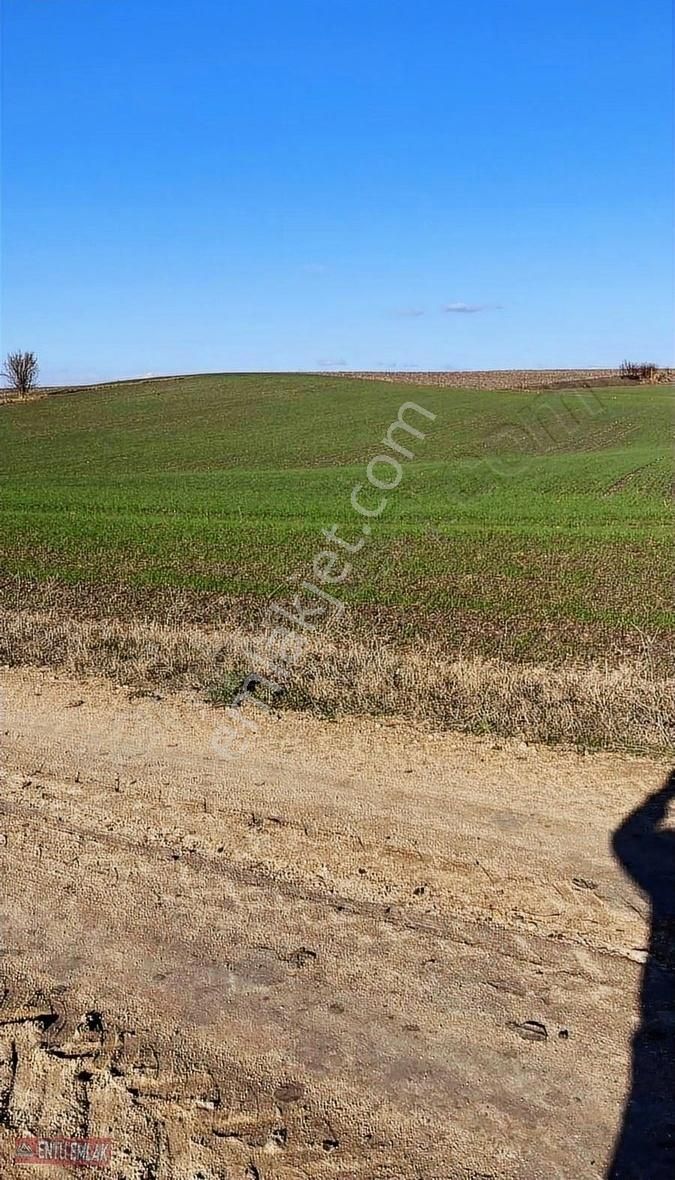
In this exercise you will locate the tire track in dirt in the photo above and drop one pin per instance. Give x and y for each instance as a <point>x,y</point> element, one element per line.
<point>408,961</point>
<point>264,878</point>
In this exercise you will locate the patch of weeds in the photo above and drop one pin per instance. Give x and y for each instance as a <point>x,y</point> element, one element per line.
<point>231,687</point>
<point>221,693</point>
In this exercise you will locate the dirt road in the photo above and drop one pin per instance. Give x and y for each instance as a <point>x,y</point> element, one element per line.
<point>361,952</point>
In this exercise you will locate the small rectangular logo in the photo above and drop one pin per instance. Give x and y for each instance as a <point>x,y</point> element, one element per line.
<point>74,1153</point>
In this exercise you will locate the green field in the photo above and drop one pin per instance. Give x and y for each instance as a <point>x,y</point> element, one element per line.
<point>547,542</point>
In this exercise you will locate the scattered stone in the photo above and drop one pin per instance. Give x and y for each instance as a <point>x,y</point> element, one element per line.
<point>302,957</point>
<point>289,1092</point>
<point>530,1030</point>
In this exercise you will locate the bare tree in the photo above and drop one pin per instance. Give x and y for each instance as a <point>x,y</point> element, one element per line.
<point>642,371</point>
<point>20,371</point>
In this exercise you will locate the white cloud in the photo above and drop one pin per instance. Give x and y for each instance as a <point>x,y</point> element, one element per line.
<point>471,308</point>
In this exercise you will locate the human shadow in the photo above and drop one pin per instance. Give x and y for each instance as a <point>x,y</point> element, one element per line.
<point>645,1148</point>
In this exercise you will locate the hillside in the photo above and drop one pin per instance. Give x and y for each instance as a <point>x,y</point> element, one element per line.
<point>224,483</point>
<point>528,532</point>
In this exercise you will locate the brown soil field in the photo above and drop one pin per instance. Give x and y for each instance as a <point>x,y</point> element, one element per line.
<point>508,378</point>
<point>495,378</point>
<point>358,951</point>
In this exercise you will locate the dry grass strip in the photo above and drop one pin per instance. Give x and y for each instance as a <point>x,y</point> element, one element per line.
<point>628,706</point>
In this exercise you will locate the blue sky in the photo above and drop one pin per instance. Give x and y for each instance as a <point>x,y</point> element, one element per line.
<point>257,184</point>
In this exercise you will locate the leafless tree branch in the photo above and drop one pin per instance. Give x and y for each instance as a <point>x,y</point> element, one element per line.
<point>20,371</point>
